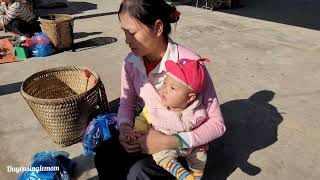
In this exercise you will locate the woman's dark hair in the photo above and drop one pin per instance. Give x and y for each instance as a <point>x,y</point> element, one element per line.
<point>149,11</point>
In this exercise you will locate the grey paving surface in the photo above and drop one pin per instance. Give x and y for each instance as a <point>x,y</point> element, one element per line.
<point>266,74</point>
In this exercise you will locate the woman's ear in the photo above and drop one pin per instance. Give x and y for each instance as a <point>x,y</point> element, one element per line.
<point>158,27</point>
<point>191,97</point>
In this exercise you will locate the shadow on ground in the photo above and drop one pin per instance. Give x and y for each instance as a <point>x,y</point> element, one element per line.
<point>95,15</point>
<point>79,35</point>
<point>83,164</point>
<point>10,88</point>
<point>252,124</point>
<point>94,42</point>
<point>72,8</point>
<point>302,13</point>
<point>114,105</point>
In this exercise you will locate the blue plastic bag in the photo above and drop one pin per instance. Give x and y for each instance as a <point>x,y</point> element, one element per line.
<point>42,50</point>
<point>41,45</point>
<point>40,38</point>
<point>58,162</point>
<point>97,131</point>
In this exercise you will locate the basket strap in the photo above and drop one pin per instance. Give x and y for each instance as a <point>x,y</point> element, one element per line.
<point>103,97</point>
<point>58,35</point>
<point>72,36</point>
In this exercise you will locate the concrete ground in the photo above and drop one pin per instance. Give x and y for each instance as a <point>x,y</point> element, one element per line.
<point>265,70</point>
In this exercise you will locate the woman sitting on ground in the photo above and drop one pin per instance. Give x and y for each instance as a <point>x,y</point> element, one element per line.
<point>17,18</point>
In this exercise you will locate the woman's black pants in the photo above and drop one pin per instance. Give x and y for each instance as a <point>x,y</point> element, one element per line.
<point>114,163</point>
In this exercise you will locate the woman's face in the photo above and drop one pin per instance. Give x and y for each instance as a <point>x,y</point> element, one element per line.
<point>139,37</point>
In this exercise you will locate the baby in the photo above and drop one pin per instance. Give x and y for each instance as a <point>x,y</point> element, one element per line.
<point>180,94</point>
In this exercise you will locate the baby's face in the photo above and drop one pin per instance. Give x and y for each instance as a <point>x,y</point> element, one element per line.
<point>174,94</point>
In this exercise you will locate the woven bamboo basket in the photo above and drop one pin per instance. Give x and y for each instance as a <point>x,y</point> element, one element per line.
<point>64,100</point>
<point>59,29</point>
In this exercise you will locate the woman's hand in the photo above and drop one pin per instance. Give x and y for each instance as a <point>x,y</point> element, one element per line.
<point>153,141</point>
<point>128,138</point>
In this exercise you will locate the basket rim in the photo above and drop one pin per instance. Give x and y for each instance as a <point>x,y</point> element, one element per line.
<point>54,21</point>
<point>58,100</point>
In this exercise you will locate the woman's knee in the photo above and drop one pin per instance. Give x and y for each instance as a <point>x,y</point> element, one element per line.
<point>139,168</point>
<point>147,169</point>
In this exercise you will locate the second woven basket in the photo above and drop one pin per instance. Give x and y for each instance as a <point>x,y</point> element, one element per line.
<point>59,29</point>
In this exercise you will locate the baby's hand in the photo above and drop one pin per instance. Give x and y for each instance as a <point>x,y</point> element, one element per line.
<point>126,132</point>
<point>139,133</point>
<point>204,147</point>
<point>133,136</point>
<point>130,137</point>
<point>125,137</point>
